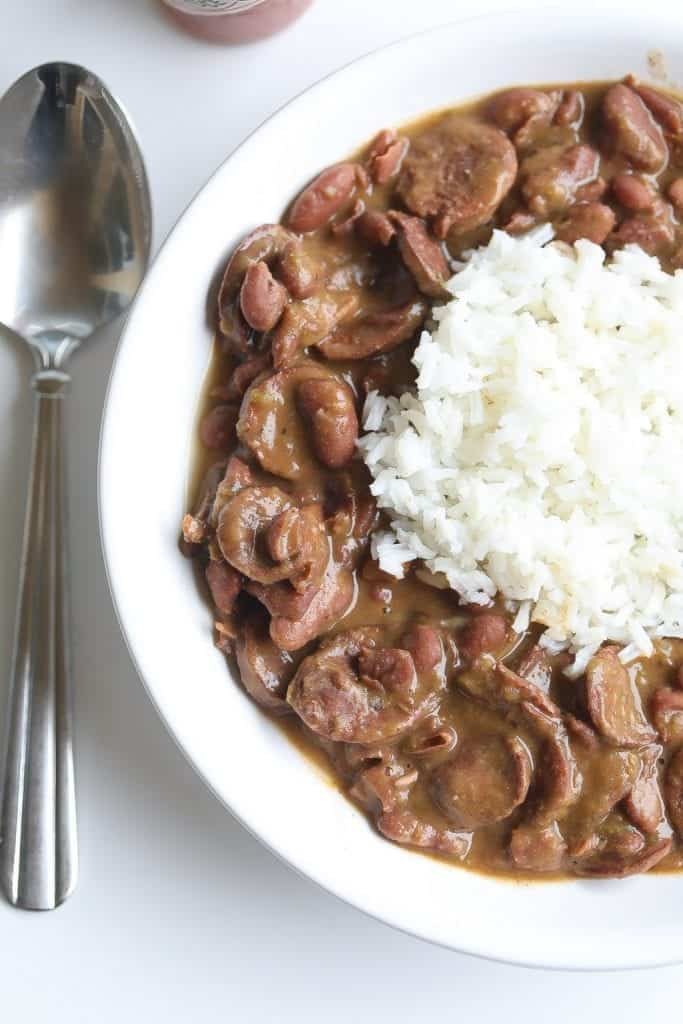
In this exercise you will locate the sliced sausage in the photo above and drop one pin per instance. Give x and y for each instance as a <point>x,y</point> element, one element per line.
<point>225,584</point>
<point>485,633</point>
<point>236,477</point>
<point>306,323</point>
<point>552,177</point>
<point>632,131</point>
<point>593,221</point>
<point>382,788</point>
<point>344,693</point>
<point>536,668</point>
<point>264,669</point>
<point>243,526</point>
<point>375,228</point>
<point>236,334</point>
<point>559,787</point>
<point>217,429</point>
<point>644,804</point>
<point>329,407</point>
<point>375,333</point>
<point>581,733</point>
<point>537,848</point>
<point>306,549</point>
<point>351,518</point>
<point>667,714</point>
<point>244,374</point>
<point>403,826</point>
<point>673,790</point>
<point>608,777</point>
<point>264,244</point>
<point>614,863</point>
<point>500,686</point>
<point>432,738</point>
<point>483,782</point>
<point>457,173</point>
<point>200,523</point>
<point>262,298</point>
<point>613,702</point>
<point>324,197</point>
<point>511,109</point>
<point>270,426</point>
<point>422,256</point>
<point>331,600</point>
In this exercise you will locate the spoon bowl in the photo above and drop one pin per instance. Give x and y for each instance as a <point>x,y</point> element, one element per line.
<point>75,238</point>
<point>75,220</point>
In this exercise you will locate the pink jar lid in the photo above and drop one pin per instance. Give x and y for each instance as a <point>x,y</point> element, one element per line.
<point>235,21</point>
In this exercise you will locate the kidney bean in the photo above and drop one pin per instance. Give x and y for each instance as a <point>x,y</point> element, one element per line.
<point>593,221</point>
<point>485,633</point>
<point>675,194</point>
<point>614,862</point>
<point>632,192</point>
<point>375,228</point>
<point>225,584</point>
<point>324,197</point>
<point>262,298</point>
<point>667,111</point>
<point>299,272</point>
<point>217,430</point>
<point>632,131</point>
<point>653,230</point>
<point>571,109</point>
<point>385,165</point>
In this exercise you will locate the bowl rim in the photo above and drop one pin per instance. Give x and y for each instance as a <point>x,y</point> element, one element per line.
<point>489,951</point>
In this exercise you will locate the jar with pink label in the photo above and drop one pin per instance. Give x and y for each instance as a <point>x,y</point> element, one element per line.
<point>234,21</point>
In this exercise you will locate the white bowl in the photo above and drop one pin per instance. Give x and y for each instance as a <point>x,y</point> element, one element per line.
<point>145,453</point>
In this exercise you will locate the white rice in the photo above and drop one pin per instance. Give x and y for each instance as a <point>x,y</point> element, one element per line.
<point>542,455</point>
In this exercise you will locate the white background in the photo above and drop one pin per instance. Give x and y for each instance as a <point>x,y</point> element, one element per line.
<point>180,915</point>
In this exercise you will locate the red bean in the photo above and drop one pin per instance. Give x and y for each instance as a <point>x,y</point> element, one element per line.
<point>324,197</point>
<point>675,193</point>
<point>217,430</point>
<point>632,192</point>
<point>262,298</point>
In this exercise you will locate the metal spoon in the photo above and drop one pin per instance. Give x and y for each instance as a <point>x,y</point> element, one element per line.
<point>75,232</point>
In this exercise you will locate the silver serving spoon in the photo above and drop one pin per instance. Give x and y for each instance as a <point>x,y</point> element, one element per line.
<point>75,232</point>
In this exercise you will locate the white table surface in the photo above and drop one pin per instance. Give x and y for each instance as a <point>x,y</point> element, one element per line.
<point>180,915</point>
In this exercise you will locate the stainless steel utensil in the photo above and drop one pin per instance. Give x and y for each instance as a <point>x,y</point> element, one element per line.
<point>75,233</point>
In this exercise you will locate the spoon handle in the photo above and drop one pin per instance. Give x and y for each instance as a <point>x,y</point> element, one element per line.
<point>38,854</point>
